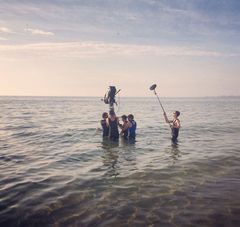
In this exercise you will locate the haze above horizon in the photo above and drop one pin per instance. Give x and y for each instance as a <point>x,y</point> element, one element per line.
<point>79,48</point>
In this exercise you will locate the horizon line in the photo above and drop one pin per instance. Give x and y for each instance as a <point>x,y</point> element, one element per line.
<point>83,96</point>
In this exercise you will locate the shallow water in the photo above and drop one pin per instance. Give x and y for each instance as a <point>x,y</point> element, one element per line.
<point>56,170</point>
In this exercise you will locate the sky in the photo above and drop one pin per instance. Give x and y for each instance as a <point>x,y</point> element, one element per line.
<point>189,48</point>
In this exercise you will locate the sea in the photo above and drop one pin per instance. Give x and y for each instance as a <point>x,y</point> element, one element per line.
<point>57,170</point>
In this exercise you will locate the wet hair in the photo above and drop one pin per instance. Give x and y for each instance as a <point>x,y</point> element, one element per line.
<point>111,112</point>
<point>104,115</point>
<point>177,113</point>
<point>124,117</point>
<point>130,116</point>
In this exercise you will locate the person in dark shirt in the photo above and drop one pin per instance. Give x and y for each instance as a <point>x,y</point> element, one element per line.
<point>104,124</point>
<point>113,123</point>
<point>175,125</point>
<point>124,127</point>
<point>132,128</point>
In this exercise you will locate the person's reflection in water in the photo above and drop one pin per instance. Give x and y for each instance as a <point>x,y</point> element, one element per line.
<point>118,158</point>
<point>110,156</point>
<point>175,153</point>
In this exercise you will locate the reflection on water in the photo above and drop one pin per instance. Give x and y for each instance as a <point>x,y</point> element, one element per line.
<point>110,156</point>
<point>175,153</point>
<point>117,155</point>
<point>56,170</point>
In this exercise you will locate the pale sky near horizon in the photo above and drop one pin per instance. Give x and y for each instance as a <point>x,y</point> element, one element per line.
<point>80,47</point>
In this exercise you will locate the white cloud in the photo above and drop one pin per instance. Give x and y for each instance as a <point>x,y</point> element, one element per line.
<point>5,30</point>
<point>100,49</point>
<point>39,32</point>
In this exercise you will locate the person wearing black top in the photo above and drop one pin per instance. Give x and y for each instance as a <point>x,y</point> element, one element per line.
<point>124,127</point>
<point>175,125</point>
<point>104,124</point>
<point>113,125</point>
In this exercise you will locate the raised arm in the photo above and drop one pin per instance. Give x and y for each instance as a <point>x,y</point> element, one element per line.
<point>166,119</point>
<point>107,122</point>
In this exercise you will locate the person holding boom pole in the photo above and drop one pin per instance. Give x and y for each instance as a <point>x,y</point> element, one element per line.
<point>175,126</point>
<point>175,123</point>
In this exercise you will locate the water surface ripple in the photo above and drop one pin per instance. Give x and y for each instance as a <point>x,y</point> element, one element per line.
<point>56,170</point>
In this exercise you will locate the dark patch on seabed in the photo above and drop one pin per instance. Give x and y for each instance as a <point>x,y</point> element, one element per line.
<point>140,199</point>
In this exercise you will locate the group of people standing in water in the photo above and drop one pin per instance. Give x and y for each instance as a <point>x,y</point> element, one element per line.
<point>111,125</point>
<point>110,122</point>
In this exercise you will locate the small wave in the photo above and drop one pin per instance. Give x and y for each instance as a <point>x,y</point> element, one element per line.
<point>18,128</point>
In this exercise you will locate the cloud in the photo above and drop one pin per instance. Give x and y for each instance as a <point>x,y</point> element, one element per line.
<point>101,49</point>
<point>145,21</point>
<point>39,32</point>
<point>3,39</point>
<point>5,30</point>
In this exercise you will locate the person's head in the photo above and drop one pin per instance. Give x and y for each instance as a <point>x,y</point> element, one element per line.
<point>105,115</point>
<point>130,117</point>
<point>176,113</point>
<point>112,113</point>
<point>124,117</point>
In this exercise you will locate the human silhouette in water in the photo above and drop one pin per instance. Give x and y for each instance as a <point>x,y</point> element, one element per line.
<point>174,124</point>
<point>132,128</point>
<point>125,127</point>
<point>104,124</point>
<point>113,123</point>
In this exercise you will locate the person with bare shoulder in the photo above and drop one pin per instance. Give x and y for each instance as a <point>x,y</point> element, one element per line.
<point>174,124</point>
<point>124,127</point>
<point>113,123</point>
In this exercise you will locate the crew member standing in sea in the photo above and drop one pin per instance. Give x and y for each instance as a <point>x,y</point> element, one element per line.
<point>125,127</point>
<point>104,124</point>
<point>132,128</point>
<point>175,125</point>
<point>113,123</point>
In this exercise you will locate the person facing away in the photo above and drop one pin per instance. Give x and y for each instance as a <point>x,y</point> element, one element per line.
<point>113,125</point>
<point>124,127</point>
<point>104,124</point>
<point>174,124</point>
<point>132,128</point>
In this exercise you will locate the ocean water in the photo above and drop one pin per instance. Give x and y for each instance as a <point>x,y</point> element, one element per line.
<point>56,170</point>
